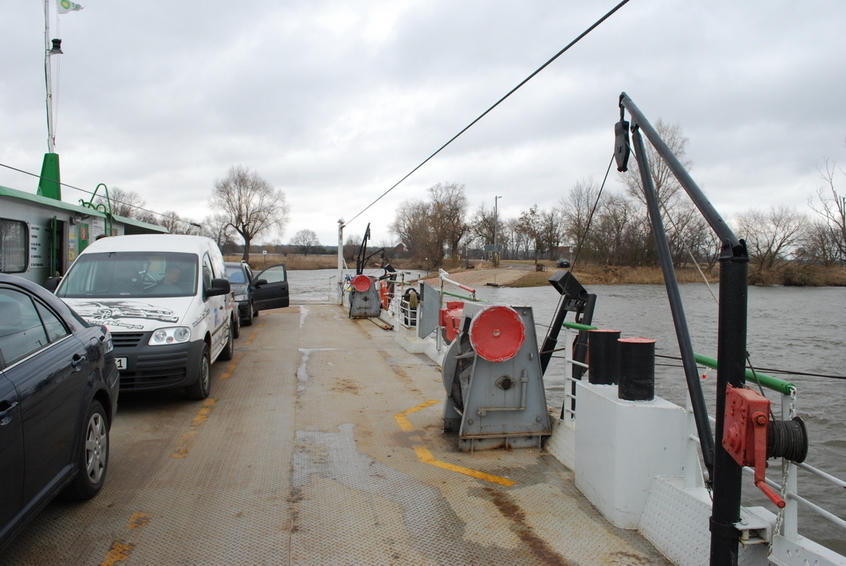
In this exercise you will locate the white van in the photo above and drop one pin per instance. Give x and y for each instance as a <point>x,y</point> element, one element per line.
<point>165,300</point>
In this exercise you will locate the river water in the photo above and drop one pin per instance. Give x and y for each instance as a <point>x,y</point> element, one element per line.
<point>791,329</point>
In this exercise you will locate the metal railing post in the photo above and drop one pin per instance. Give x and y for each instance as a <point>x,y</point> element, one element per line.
<point>790,521</point>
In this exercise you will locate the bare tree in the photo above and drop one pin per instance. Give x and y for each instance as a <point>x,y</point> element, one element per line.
<point>819,244</point>
<point>448,216</point>
<point>514,239</point>
<point>530,224</point>
<point>218,229</point>
<point>429,228</point>
<point>576,210</point>
<point>551,231</point>
<point>251,205</point>
<point>411,226</point>
<point>305,240</point>
<point>617,232</point>
<point>351,247</point>
<point>482,226</point>
<point>691,238</point>
<point>124,203</point>
<point>178,225</point>
<point>770,236</point>
<point>667,187</point>
<point>832,210</point>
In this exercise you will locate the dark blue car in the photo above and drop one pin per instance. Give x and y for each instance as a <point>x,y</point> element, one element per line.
<point>254,293</point>
<point>58,397</point>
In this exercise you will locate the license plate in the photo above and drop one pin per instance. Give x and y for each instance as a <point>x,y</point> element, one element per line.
<point>120,363</point>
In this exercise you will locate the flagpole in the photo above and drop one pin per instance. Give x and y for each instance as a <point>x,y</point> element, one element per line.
<point>49,183</point>
<point>48,76</point>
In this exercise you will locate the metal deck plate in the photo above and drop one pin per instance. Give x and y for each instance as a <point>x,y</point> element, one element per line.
<point>299,460</point>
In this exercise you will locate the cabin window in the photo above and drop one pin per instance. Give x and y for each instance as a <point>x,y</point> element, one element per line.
<point>14,242</point>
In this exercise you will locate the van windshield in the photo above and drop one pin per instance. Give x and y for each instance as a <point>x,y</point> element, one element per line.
<point>131,274</point>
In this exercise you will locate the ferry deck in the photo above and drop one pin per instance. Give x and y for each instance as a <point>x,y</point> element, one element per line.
<point>321,444</point>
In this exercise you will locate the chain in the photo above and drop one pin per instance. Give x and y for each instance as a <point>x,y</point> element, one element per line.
<point>791,412</point>
<point>785,476</point>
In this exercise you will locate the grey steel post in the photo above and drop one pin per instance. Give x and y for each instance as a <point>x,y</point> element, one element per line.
<point>731,346</point>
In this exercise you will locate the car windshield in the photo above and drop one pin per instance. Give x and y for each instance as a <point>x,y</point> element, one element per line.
<point>235,274</point>
<point>131,274</point>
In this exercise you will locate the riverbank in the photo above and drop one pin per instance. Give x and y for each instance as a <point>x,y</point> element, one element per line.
<point>513,275</point>
<point>524,274</point>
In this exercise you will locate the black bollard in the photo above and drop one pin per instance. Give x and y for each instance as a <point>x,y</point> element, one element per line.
<point>604,356</point>
<point>637,369</point>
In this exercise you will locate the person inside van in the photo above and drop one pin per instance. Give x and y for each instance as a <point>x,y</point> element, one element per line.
<point>170,284</point>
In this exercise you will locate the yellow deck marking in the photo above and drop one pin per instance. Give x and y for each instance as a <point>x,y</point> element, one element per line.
<point>426,457</point>
<point>120,550</point>
<point>230,369</point>
<point>138,520</point>
<point>118,553</point>
<point>403,422</point>
<point>252,337</point>
<point>188,438</point>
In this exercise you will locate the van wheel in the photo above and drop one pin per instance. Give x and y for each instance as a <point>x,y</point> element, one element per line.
<point>201,388</point>
<point>94,457</point>
<point>229,350</point>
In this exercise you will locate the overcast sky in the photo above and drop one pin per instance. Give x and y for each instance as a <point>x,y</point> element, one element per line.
<point>335,101</point>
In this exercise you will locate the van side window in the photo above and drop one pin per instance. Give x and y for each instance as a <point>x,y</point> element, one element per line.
<point>14,245</point>
<point>208,274</point>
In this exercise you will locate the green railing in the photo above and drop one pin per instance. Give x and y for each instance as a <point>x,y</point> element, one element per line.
<point>783,387</point>
<point>770,382</point>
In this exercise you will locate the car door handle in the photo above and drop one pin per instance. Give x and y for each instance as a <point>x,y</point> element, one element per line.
<point>6,414</point>
<point>77,362</point>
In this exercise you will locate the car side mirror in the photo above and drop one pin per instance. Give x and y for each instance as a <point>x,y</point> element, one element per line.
<point>219,286</point>
<point>52,283</point>
<point>259,282</point>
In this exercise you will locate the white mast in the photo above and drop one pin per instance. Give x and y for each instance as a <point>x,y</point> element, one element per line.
<point>49,49</point>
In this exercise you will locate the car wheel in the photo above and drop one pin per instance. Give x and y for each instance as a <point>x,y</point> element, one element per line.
<point>229,350</point>
<point>249,320</point>
<point>94,459</point>
<point>201,388</point>
<point>236,325</point>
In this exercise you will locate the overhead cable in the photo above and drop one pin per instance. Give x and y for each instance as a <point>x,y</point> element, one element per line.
<point>486,112</point>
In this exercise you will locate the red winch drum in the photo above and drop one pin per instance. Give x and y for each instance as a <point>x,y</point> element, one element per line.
<point>361,283</point>
<point>497,333</point>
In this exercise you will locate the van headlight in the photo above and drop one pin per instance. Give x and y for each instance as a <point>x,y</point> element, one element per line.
<point>174,335</point>
<point>240,298</point>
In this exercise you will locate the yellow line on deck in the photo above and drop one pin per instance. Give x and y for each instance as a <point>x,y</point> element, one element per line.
<point>230,369</point>
<point>426,457</point>
<point>403,422</point>
<point>188,438</point>
<point>138,520</point>
<point>118,553</point>
<point>120,550</point>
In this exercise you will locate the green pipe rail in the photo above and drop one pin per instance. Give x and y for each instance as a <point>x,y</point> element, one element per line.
<point>783,387</point>
<point>472,299</point>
